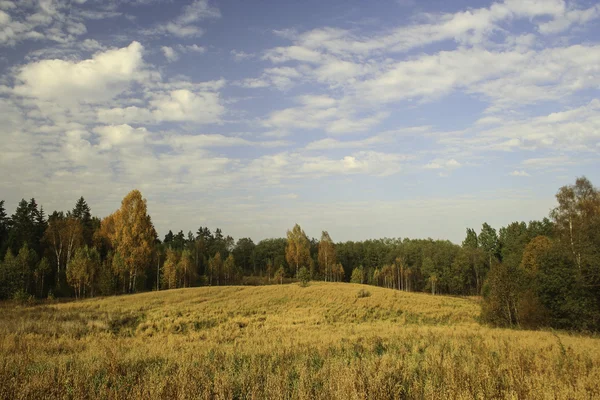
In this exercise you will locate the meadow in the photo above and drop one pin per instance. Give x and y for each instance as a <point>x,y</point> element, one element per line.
<point>324,341</point>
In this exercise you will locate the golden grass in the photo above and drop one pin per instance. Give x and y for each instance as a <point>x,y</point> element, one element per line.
<point>287,342</point>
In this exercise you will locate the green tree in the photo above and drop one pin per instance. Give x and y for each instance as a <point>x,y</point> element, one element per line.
<point>82,271</point>
<point>577,221</point>
<point>571,303</point>
<point>9,276</point>
<point>244,255</point>
<point>501,293</point>
<point>42,270</point>
<point>304,276</point>
<point>488,240</point>
<point>512,241</point>
<point>471,240</point>
<point>23,226</point>
<point>82,213</point>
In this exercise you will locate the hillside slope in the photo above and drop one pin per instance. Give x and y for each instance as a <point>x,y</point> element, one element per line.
<point>284,341</point>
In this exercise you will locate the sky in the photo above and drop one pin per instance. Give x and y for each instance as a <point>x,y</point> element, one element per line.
<point>390,118</point>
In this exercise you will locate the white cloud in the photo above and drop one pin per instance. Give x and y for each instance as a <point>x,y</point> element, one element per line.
<point>547,162</point>
<point>281,78</point>
<point>185,105</point>
<point>505,73</point>
<point>185,25</point>
<point>119,135</point>
<point>381,139</point>
<point>519,173</point>
<point>272,169</point>
<point>194,48</point>
<point>98,79</point>
<point>363,162</point>
<point>576,129</point>
<point>59,21</point>
<point>189,142</point>
<point>169,53</point>
<point>239,55</point>
<point>321,112</point>
<point>465,27</point>
<point>572,17</point>
<point>444,166</point>
<point>131,114</point>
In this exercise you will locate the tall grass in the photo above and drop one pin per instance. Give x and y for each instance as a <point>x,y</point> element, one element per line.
<point>284,341</point>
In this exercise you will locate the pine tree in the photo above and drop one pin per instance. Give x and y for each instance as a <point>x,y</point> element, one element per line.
<point>23,226</point>
<point>4,229</point>
<point>83,214</point>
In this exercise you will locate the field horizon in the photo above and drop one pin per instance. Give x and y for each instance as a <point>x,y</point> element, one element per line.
<point>326,340</point>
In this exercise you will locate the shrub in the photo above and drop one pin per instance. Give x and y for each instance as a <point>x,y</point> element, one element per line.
<point>23,297</point>
<point>304,276</point>
<point>363,293</point>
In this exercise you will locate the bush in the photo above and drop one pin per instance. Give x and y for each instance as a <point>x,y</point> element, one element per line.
<point>363,293</point>
<point>23,297</point>
<point>304,276</point>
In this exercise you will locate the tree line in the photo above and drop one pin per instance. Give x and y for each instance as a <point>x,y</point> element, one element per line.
<point>540,273</point>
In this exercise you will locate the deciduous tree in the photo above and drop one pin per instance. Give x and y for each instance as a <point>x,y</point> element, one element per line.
<point>327,256</point>
<point>297,252</point>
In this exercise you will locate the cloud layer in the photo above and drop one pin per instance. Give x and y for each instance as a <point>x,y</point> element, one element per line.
<point>333,125</point>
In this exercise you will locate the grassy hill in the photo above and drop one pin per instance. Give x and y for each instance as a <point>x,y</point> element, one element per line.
<point>284,341</point>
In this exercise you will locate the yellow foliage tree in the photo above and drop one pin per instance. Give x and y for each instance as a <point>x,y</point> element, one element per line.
<point>132,236</point>
<point>327,256</point>
<point>297,251</point>
<point>169,276</point>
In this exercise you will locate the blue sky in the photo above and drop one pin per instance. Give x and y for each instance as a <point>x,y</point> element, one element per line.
<point>394,118</point>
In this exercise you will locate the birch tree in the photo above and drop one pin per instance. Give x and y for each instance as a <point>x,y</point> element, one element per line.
<point>297,252</point>
<point>326,256</point>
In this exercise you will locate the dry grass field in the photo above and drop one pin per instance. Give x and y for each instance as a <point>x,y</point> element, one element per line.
<point>319,342</point>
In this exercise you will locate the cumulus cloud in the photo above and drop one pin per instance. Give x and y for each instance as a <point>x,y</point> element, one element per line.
<point>185,105</point>
<point>98,79</point>
<point>169,53</point>
<point>119,135</point>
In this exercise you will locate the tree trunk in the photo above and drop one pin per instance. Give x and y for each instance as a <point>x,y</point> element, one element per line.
<point>509,312</point>
<point>577,256</point>
<point>158,273</point>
